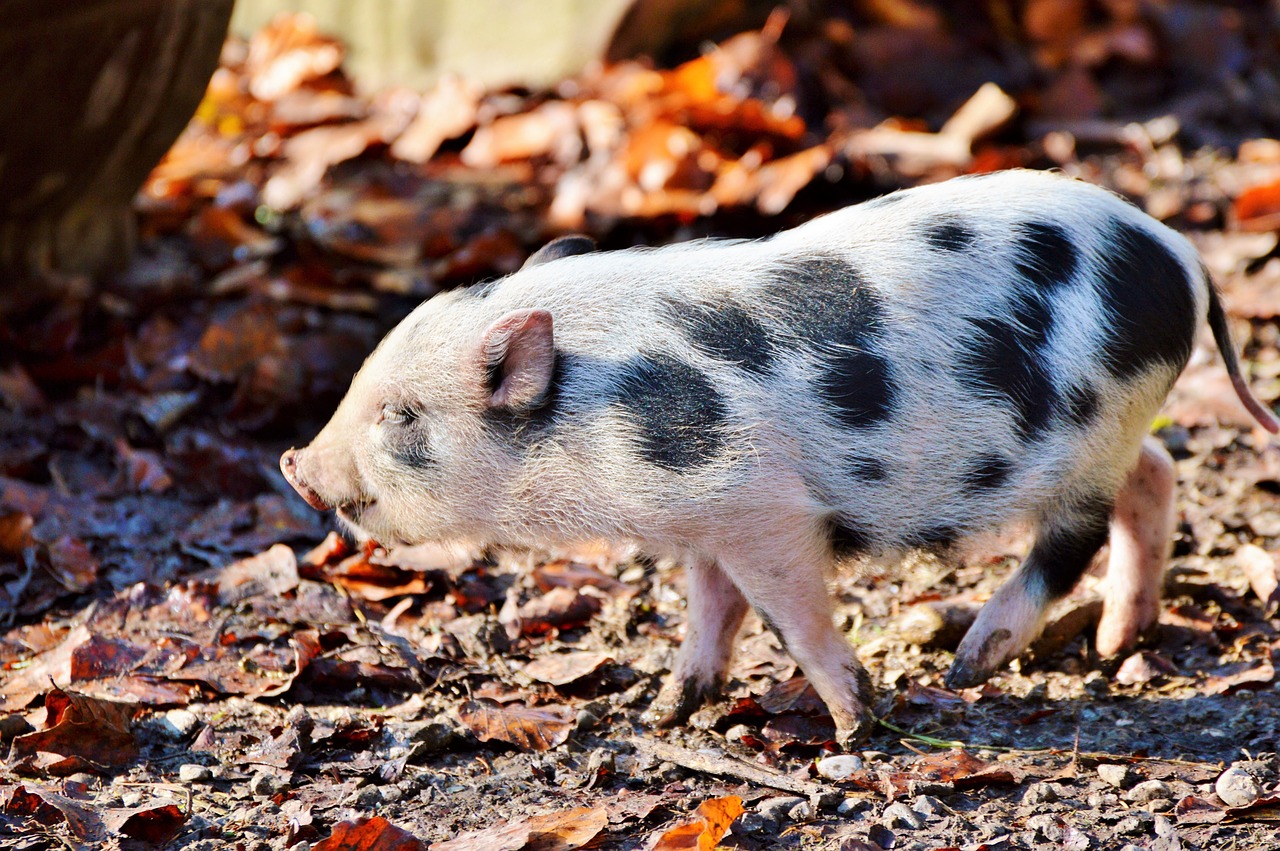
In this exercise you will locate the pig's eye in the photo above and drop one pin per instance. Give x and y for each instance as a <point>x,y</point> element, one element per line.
<point>395,415</point>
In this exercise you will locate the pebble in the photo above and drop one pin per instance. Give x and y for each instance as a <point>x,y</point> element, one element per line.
<point>177,723</point>
<point>262,784</point>
<point>738,732</point>
<point>929,806</point>
<point>1041,793</point>
<point>1150,790</point>
<point>193,773</point>
<point>131,798</point>
<point>1096,684</point>
<point>749,823</point>
<point>390,794</point>
<point>1237,787</point>
<point>850,806</point>
<point>899,815</point>
<point>840,767</point>
<point>779,808</point>
<point>802,811</point>
<point>1119,776</point>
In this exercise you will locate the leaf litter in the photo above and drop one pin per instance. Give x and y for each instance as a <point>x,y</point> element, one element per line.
<point>188,659</point>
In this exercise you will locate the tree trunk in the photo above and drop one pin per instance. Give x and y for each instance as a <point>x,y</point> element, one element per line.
<point>94,92</point>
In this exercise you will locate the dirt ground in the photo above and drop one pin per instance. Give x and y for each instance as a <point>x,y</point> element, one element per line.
<point>190,658</point>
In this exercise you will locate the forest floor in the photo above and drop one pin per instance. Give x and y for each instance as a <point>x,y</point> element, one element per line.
<point>191,658</point>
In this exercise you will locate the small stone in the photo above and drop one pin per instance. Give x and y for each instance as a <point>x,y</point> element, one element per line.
<point>901,816</point>
<point>177,723</point>
<point>1237,787</point>
<point>838,768</point>
<point>779,808</point>
<point>752,823</point>
<point>1046,827</point>
<point>390,794</point>
<point>737,733</point>
<point>1119,776</point>
<point>1135,824</point>
<point>433,738</point>
<point>850,806</point>
<point>262,785</point>
<point>1150,790</point>
<point>1041,793</point>
<point>802,811</point>
<point>875,756</point>
<point>193,773</point>
<point>930,806</point>
<point>131,798</point>
<point>1096,684</point>
<point>1103,801</point>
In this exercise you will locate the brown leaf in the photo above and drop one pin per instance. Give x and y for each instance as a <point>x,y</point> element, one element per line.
<point>72,564</point>
<point>572,574</point>
<point>563,831</point>
<point>1263,573</point>
<point>288,52</point>
<point>272,573</point>
<point>143,470</point>
<point>15,532</point>
<point>559,608</point>
<point>90,734</point>
<point>957,767</point>
<point>1258,208</point>
<point>445,112</point>
<point>49,808</point>
<point>704,832</point>
<point>517,724</point>
<point>233,346</point>
<point>560,669</point>
<point>1196,810</point>
<point>369,834</point>
<point>794,695</point>
<point>1251,675</point>
<point>154,823</point>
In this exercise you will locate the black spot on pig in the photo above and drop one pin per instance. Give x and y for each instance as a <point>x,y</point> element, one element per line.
<point>988,472</point>
<point>1066,545</point>
<point>828,306</point>
<point>678,413</point>
<point>1033,316</point>
<point>949,234</point>
<point>1045,256</point>
<point>1001,359</point>
<point>1082,405</point>
<point>848,539</point>
<point>867,469</point>
<point>857,385</point>
<point>937,537</point>
<point>1146,293</point>
<point>725,332</point>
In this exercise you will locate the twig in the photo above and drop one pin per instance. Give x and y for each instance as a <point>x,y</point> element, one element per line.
<point>727,766</point>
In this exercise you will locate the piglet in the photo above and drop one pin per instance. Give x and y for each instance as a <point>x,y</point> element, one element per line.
<point>905,373</point>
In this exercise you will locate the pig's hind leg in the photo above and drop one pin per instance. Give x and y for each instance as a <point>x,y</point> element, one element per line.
<point>715,609</point>
<point>785,579</point>
<point>1067,539</point>
<point>1141,536</point>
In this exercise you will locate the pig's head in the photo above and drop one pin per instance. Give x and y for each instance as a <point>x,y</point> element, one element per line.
<point>412,454</point>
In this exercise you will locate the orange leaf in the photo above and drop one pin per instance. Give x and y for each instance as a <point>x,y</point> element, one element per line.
<point>704,832</point>
<point>372,834</point>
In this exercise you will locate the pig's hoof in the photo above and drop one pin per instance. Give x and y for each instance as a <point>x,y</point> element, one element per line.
<point>678,700</point>
<point>853,732</point>
<point>963,675</point>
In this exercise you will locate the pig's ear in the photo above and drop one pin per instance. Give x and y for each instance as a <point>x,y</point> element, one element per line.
<point>565,246</point>
<point>519,357</point>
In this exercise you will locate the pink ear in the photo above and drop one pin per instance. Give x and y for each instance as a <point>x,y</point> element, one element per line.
<point>519,356</point>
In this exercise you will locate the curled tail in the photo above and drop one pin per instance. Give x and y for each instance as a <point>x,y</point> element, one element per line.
<point>1222,336</point>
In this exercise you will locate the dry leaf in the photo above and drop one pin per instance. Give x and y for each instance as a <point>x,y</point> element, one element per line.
<point>1264,575</point>
<point>704,832</point>
<point>80,733</point>
<point>560,669</point>
<point>562,831</point>
<point>369,834</point>
<point>517,724</point>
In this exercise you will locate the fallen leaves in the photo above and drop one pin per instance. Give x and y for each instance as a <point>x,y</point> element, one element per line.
<point>562,831</point>
<point>79,733</point>
<point>527,727</point>
<point>705,830</point>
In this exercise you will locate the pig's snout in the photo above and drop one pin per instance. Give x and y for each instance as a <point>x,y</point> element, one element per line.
<point>289,466</point>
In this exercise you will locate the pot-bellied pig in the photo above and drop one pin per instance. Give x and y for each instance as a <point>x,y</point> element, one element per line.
<point>903,373</point>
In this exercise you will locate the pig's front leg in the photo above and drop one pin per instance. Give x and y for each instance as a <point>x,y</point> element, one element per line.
<point>714,613</point>
<point>1141,537</point>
